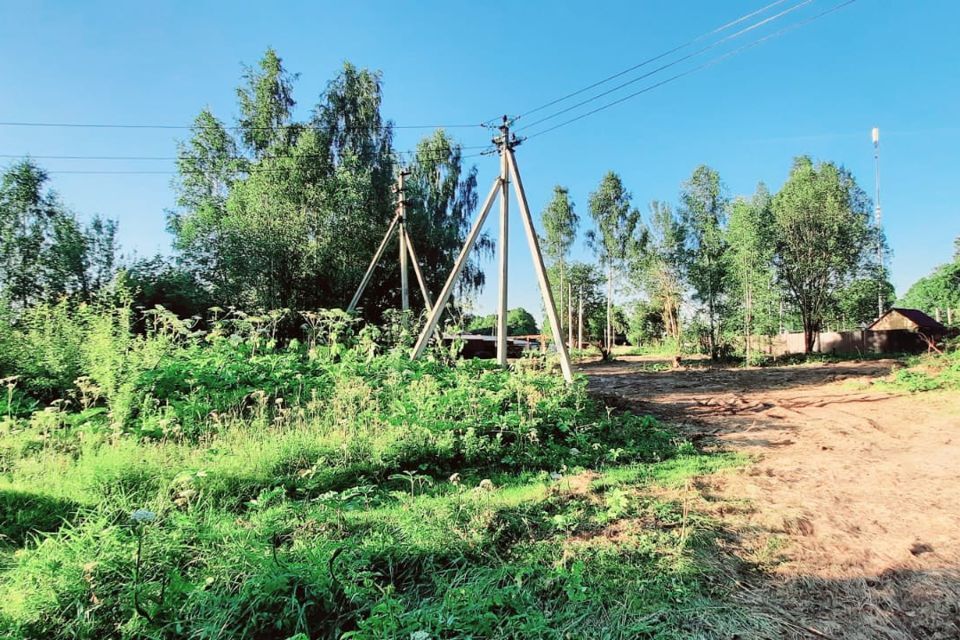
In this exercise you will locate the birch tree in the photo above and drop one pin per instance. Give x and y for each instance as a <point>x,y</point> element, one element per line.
<point>560,223</point>
<point>613,238</point>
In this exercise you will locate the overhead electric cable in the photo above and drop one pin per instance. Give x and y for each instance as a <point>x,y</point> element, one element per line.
<point>701,67</point>
<point>188,157</point>
<point>660,56</point>
<point>251,170</point>
<point>672,63</point>
<point>84,125</point>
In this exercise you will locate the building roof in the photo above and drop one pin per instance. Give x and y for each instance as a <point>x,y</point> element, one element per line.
<point>917,317</point>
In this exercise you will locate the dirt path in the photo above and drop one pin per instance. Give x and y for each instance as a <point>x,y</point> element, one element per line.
<point>852,510</point>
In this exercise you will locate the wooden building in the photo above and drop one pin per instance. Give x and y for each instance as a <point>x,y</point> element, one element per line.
<point>911,320</point>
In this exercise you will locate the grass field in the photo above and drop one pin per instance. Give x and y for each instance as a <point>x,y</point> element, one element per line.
<point>218,485</point>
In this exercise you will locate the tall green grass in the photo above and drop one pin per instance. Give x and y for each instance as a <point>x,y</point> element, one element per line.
<point>225,484</point>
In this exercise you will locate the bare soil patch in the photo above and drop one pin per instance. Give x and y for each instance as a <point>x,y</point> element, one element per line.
<point>848,524</point>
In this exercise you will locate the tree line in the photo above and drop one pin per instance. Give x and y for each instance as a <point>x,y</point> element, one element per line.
<point>273,211</point>
<point>717,270</point>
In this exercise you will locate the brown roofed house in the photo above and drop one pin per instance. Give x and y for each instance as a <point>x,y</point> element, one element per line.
<point>911,320</point>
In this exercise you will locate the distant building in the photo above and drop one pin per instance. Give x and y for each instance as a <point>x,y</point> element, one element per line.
<point>911,320</point>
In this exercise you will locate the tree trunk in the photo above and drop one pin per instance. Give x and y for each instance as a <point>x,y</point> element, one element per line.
<point>609,328</point>
<point>748,304</point>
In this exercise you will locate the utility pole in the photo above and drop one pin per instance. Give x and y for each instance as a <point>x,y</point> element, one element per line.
<point>402,237</point>
<point>506,142</point>
<point>877,216</point>
<point>407,255</point>
<point>503,142</point>
<point>580,320</point>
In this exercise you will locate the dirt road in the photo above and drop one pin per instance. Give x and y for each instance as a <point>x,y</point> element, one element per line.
<point>848,523</point>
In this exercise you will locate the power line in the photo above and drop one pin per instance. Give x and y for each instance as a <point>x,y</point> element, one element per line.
<point>701,67</point>
<point>672,63</point>
<point>188,157</point>
<point>660,56</point>
<point>253,170</point>
<point>85,125</point>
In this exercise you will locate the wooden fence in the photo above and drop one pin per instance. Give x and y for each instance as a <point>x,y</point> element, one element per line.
<point>848,342</point>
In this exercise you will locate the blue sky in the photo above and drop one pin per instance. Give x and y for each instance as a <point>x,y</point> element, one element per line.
<point>817,90</point>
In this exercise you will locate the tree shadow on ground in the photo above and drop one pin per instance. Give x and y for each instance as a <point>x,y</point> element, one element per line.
<point>24,514</point>
<point>900,603</point>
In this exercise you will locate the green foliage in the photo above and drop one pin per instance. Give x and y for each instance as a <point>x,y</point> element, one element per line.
<point>296,225</point>
<point>939,290</point>
<point>560,222</point>
<point>856,302</point>
<point>822,235</point>
<point>703,205</point>
<point>202,481</point>
<point>646,324</point>
<point>615,221</point>
<point>442,196</point>
<point>45,252</point>
<point>661,270</point>
<point>519,323</point>
<point>614,238</point>
<point>752,278</point>
<point>930,372</point>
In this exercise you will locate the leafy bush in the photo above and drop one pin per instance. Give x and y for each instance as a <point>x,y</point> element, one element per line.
<point>930,372</point>
<point>329,488</point>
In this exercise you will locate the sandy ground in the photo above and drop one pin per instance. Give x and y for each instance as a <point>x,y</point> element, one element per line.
<point>848,523</point>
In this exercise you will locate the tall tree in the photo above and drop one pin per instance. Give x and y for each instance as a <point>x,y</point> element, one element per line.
<point>27,211</point>
<point>821,227</point>
<point>660,268</point>
<point>294,223</point>
<point>938,290</point>
<point>79,261</point>
<point>45,252</point>
<point>703,207</point>
<point>266,103</point>
<point>855,304</point>
<point>208,165</point>
<point>442,197</point>
<point>614,236</point>
<point>290,213</point>
<point>751,274</point>
<point>560,223</point>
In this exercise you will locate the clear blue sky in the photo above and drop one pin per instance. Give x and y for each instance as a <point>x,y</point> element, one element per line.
<point>817,90</point>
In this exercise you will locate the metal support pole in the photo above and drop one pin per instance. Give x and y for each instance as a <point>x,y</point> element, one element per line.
<point>402,214</point>
<point>444,296</point>
<point>373,263</point>
<point>504,243</point>
<point>539,267</point>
